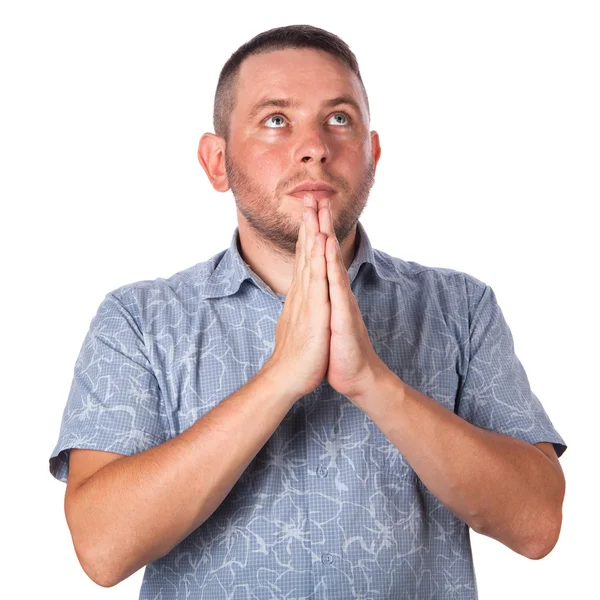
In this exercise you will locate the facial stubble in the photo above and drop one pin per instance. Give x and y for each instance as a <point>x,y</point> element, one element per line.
<point>277,230</point>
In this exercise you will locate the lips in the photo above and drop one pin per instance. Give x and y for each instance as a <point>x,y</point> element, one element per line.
<point>316,189</point>
<point>311,185</point>
<point>316,194</point>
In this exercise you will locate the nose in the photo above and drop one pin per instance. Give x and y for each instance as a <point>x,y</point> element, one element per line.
<point>312,148</point>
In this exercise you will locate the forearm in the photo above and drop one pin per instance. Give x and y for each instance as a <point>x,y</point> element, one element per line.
<point>500,486</point>
<point>137,508</point>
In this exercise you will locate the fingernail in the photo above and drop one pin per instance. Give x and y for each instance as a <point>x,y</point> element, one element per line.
<point>306,198</point>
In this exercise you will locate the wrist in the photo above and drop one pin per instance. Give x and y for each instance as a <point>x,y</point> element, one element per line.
<point>278,382</point>
<point>377,376</point>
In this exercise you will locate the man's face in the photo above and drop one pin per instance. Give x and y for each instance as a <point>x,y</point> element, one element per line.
<point>274,149</point>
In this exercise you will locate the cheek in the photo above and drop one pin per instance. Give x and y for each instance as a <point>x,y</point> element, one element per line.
<point>349,149</point>
<point>355,158</point>
<point>266,164</point>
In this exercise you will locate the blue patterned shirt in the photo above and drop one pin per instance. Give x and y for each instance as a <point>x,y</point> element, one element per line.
<point>329,508</point>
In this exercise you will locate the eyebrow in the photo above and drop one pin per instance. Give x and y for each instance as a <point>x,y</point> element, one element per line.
<point>291,103</point>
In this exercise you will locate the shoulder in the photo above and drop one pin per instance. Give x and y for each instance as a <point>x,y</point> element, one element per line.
<point>181,291</point>
<point>433,279</point>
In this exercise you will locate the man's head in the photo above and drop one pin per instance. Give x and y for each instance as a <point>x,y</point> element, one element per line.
<point>263,152</point>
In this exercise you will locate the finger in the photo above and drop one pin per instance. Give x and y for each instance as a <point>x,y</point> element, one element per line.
<point>338,283</point>
<point>335,267</point>
<point>337,274</point>
<point>311,230</point>
<point>299,259</point>
<point>327,225</point>
<point>318,288</point>
<point>318,292</point>
<point>326,217</point>
<point>312,227</point>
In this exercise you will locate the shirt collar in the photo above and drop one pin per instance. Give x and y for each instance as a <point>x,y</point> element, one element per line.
<point>232,270</point>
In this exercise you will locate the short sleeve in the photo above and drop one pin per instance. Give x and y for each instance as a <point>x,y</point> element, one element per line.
<point>495,393</point>
<point>114,403</point>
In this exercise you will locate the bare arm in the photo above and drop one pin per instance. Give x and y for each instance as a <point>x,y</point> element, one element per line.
<point>137,508</point>
<point>501,486</point>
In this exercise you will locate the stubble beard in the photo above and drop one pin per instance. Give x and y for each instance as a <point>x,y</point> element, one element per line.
<point>277,231</point>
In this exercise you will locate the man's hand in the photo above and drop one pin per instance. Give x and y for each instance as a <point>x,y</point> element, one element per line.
<point>353,362</point>
<point>302,335</point>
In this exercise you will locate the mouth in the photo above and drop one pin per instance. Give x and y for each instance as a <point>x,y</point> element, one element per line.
<point>316,194</point>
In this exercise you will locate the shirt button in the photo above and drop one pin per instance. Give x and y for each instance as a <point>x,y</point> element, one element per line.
<point>326,558</point>
<point>322,471</point>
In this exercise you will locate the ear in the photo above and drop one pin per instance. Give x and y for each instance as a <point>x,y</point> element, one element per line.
<point>376,148</point>
<point>211,155</point>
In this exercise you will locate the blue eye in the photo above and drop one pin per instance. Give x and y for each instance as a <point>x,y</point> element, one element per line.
<point>271,117</point>
<point>344,115</point>
<point>337,114</point>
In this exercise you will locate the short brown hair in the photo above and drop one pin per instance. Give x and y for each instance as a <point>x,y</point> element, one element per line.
<point>280,38</point>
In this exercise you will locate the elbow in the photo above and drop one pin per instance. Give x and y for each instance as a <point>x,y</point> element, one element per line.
<point>543,547</point>
<point>89,556</point>
<point>94,568</point>
<point>539,552</point>
<point>104,582</point>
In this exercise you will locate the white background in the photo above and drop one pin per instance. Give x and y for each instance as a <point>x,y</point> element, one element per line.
<point>488,115</point>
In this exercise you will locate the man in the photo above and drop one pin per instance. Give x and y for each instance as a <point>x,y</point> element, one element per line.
<point>302,416</point>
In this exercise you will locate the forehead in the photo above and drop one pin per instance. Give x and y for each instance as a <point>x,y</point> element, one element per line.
<point>306,74</point>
